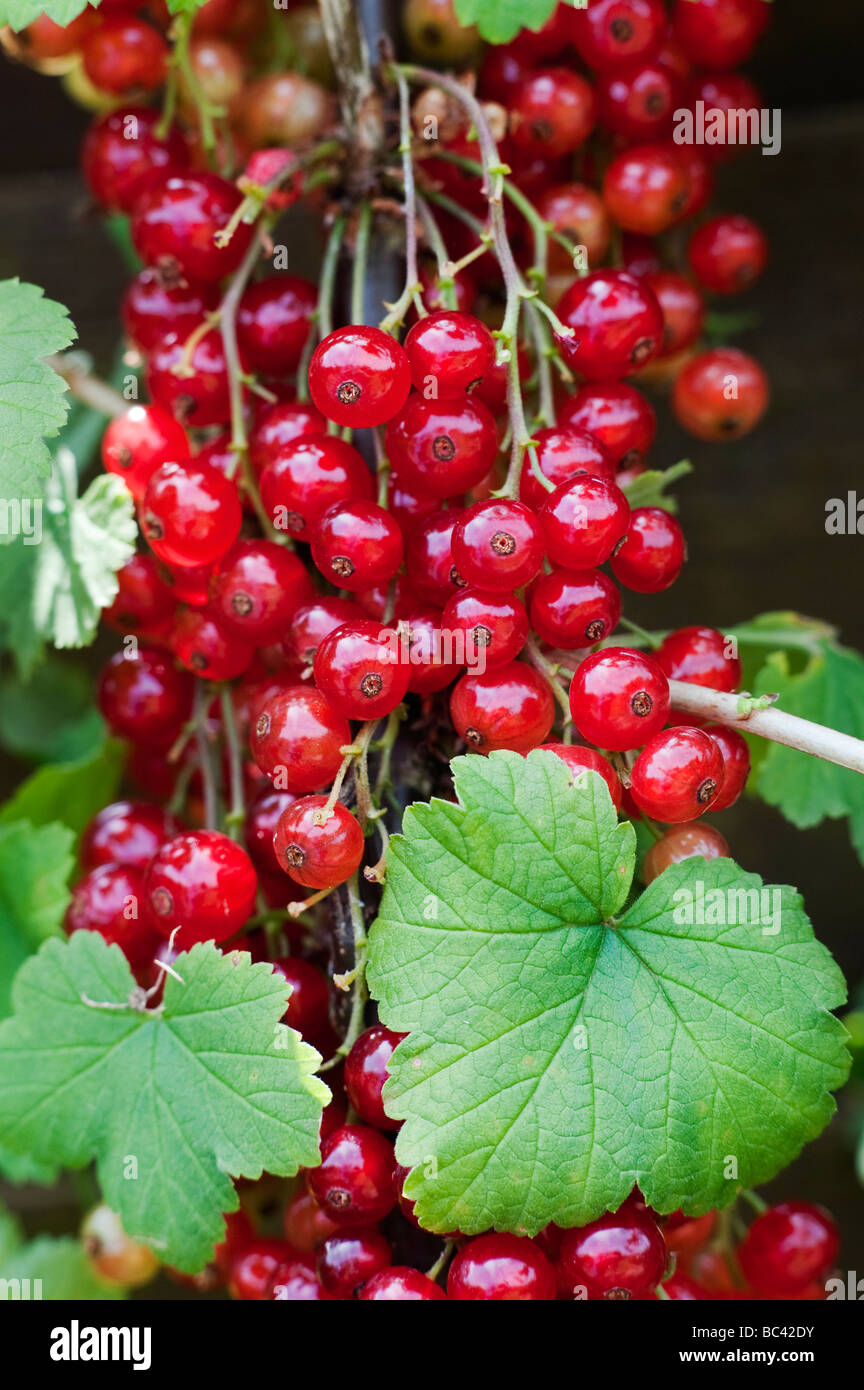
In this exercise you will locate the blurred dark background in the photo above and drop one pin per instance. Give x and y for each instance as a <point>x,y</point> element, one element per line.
<point>753,512</point>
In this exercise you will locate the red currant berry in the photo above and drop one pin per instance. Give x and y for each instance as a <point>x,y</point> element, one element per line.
<point>297,740</point>
<point>307,478</point>
<point>124,54</point>
<point>366,1072</point>
<point>788,1247</point>
<point>44,39</point>
<point>511,707</point>
<point>490,628</point>
<point>616,321</point>
<point>205,644</point>
<point>646,189</point>
<point>306,1225</point>
<point>449,353</point>
<point>562,451</point>
<point>362,669</point>
<point>153,308</point>
<point>578,212</point>
<point>683,310</point>
<point>434,658</point>
<point>552,112</point>
<point>653,551</point>
<point>720,33</point>
<point>728,254</point>
<point>736,763</point>
<point>144,697</point>
<point>581,760</point>
<point>721,394</point>
<point>191,513</point>
<point>202,883</point>
<point>314,621</point>
<point>359,376</point>
<point>262,817</point>
<point>108,901</point>
<point>126,832</point>
<point>583,521</point>
<point>354,1182</point>
<point>501,1267</point>
<point>442,448</point>
<point>295,1281</point>
<point>617,415</point>
<point>282,425</point>
<point>135,444</point>
<point>346,1260</point>
<point>308,1009</point>
<point>197,396</point>
<point>256,588</point>
<point>700,175</point>
<point>498,545</point>
<point>122,151</point>
<point>492,390</point>
<point>688,841</point>
<point>400,1284</point>
<point>619,698</point>
<point>357,545</point>
<point>677,775</point>
<point>573,609</point>
<point>175,223</point>
<point>429,558</point>
<point>273,323</point>
<point>318,855</point>
<point>188,585</point>
<point>620,1256</point>
<point>608,34</point>
<point>701,656</point>
<point>252,1271</point>
<point>143,604</point>
<point>638,103</point>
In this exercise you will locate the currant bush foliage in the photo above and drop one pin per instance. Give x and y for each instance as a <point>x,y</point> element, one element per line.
<point>35,865</point>
<point>211,1086</point>
<point>568,1041</point>
<point>19,13</point>
<point>499,21</point>
<point>33,403</point>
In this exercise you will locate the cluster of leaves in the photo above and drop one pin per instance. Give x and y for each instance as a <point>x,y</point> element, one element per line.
<point>58,1263</point>
<point>19,13</point>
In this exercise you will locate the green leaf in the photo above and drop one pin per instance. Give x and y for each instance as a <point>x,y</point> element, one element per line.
<point>11,1234</point>
<point>69,792</point>
<point>52,716</point>
<point>19,1168</point>
<point>649,488</point>
<point>33,401</point>
<point>558,1054</point>
<point>35,864</point>
<point>170,1102</point>
<point>61,1266</point>
<point>499,21</point>
<point>55,590</point>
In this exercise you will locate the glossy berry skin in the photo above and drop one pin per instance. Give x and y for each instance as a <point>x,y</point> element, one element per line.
<point>432,662</point>
<point>200,397</point>
<point>359,376</point>
<point>728,254</point>
<point>581,760</point>
<point>144,699</point>
<point>511,707</point>
<point>573,609</point>
<point>143,603</point>
<point>354,1182</point>
<point>700,655</point>
<point>498,544</point>
<point>108,900</point>
<point>638,103</point>
<point>262,817</point>
<point>273,323</point>
<point>361,669</point>
<point>449,353</point>
<point>721,394</point>
<point>645,189</point>
<point>577,211</point>
<point>313,621</point>
<point>137,443</point>
<point>720,33</point>
<point>691,840</point>
<point>122,151</point>
<point>400,1284</point>
<point>256,588</point>
<point>677,776</point>
<point>252,1271</point>
<point>493,626</point>
<point>295,1281</point>
<point>318,856</point>
<point>553,113</point>
<point>501,1268</point>
<point>788,1247</point>
<point>280,425</point>
<point>191,513</point>
<point>619,698</point>
<point>307,478</point>
<point>297,738</point>
<point>683,310</point>
<point>176,219</point>
<point>347,1259</point>
<point>726,92</point>
<point>153,308</point>
<point>617,415</point>
<point>308,1008</point>
<point>126,832</point>
<point>735,753</point>
<point>616,321</point>
<point>653,551</point>
<point>357,545</point>
<point>610,34</point>
<point>561,451</point>
<point>366,1072</point>
<point>583,521</point>
<point>203,883</point>
<point>442,448</point>
<point>124,54</point>
<point>205,644</point>
<point>620,1256</point>
<point>429,557</point>
<point>306,1225</point>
